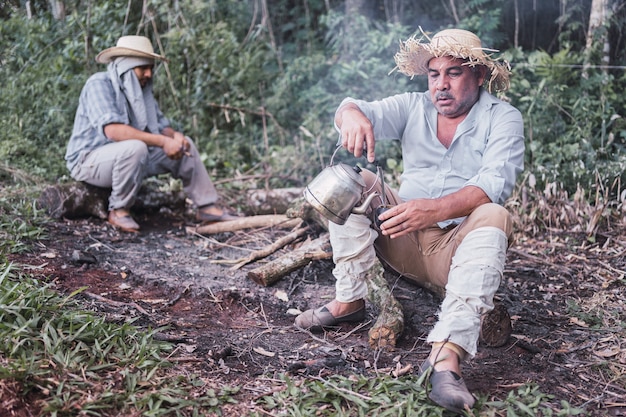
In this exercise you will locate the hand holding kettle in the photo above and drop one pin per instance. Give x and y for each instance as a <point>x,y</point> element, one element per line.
<point>357,132</point>
<point>338,188</point>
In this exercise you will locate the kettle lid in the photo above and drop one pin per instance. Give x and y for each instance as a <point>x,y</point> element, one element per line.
<point>352,172</point>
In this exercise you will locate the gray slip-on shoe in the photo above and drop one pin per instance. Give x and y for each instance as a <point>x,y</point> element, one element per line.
<point>318,319</point>
<point>448,389</point>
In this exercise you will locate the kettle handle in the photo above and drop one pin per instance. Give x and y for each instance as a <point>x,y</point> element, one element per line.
<point>356,167</point>
<point>335,153</point>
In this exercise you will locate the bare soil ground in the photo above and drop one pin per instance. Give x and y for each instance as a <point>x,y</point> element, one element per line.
<point>232,331</point>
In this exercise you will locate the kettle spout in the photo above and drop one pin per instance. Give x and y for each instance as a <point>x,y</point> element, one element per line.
<point>361,209</point>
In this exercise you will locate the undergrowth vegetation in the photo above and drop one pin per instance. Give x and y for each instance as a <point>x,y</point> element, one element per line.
<point>396,397</point>
<point>75,362</point>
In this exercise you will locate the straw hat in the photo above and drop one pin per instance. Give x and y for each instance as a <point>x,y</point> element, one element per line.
<point>414,55</point>
<point>137,46</point>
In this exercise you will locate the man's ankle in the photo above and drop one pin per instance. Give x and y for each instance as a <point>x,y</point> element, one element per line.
<point>340,308</point>
<point>443,358</point>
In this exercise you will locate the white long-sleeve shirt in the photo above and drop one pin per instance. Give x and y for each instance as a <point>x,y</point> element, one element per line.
<point>487,150</point>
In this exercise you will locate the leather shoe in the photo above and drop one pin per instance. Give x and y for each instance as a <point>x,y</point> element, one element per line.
<point>448,389</point>
<point>124,223</point>
<point>318,319</point>
<point>205,217</point>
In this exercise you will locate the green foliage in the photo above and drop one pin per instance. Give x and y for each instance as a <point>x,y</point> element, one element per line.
<point>483,17</point>
<point>79,361</point>
<point>387,396</point>
<point>250,85</point>
<point>36,96</point>
<point>575,133</point>
<point>21,222</point>
<point>357,396</point>
<point>528,401</point>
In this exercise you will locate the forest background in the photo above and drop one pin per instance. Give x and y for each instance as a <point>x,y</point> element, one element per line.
<point>256,83</point>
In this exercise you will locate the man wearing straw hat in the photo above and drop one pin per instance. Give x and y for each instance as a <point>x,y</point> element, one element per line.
<point>447,228</point>
<point>120,136</point>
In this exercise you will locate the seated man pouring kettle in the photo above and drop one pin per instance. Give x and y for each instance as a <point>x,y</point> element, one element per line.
<point>462,150</point>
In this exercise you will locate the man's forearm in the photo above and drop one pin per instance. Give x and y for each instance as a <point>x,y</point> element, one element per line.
<point>462,202</point>
<point>119,132</point>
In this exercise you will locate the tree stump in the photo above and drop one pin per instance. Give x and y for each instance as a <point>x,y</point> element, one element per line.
<point>495,326</point>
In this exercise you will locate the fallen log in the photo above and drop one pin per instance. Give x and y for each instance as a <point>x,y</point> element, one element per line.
<point>273,201</point>
<point>276,269</point>
<point>268,250</point>
<point>74,200</point>
<point>390,322</point>
<point>77,199</point>
<point>251,222</point>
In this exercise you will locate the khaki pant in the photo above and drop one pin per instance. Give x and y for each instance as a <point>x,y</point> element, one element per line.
<point>425,256</point>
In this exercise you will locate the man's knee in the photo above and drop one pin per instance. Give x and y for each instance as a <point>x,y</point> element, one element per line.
<point>493,215</point>
<point>135,152</point>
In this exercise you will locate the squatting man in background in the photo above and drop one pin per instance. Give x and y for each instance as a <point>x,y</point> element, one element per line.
<point>462,150</point>
<point>120,136</point>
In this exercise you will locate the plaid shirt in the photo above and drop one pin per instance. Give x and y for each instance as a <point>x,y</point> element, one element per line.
<point>97,107</point>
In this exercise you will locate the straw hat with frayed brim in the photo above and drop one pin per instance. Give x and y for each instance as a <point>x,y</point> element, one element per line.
<point>415,53</point>
<point>136,46</point>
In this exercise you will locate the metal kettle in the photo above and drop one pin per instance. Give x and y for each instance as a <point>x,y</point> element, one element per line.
<point>336,191</point>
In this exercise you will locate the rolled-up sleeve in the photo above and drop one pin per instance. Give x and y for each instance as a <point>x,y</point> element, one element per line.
<point>503,155</point>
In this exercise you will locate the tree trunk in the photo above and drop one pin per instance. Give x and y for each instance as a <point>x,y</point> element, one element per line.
<point>57,7</point>
<point>354,11</point>
<point>596,34</point>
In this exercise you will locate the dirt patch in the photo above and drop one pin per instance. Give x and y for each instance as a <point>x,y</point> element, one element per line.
<point>233,331</point>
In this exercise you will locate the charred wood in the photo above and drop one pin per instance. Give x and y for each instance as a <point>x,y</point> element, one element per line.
<point>276,269</point>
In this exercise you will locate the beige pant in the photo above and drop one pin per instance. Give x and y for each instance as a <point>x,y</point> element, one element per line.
<point>467,260</point>
<point>122,166</point>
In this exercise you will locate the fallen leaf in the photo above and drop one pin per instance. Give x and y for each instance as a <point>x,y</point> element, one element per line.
<point>190,348</point>
<point>577,321</point>
<point>608,352</point>
<point>281,295</point>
